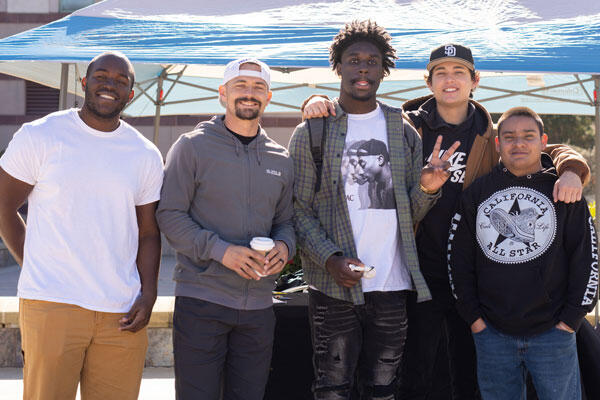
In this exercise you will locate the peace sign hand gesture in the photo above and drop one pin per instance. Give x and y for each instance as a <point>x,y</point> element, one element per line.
<point>435,173</point>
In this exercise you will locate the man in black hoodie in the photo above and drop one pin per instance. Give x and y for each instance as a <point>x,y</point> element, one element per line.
<point>524,270</point>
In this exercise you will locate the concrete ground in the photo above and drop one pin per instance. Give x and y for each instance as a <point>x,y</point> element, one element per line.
<point>157,384</point>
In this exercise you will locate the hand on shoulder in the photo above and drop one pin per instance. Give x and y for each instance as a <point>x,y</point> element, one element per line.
<point>318,106</point>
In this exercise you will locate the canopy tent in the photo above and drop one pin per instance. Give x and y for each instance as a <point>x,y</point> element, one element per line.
<point>179,47</point>
<point>542,51</point>
<point>507,35</point>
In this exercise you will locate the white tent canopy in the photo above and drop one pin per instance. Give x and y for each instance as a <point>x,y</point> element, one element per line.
<point>537,48</point>
<point>509,35</point>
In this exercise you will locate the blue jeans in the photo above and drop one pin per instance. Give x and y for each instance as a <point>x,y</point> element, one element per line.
<point>364,339</point>
<point>550,358</point>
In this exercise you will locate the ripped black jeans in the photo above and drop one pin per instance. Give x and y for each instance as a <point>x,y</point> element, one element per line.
<point>362,341</point>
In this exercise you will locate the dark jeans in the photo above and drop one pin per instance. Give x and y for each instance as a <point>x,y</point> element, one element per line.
<point>433,326</point>
<point>219,348</point>
<point>363,340</point>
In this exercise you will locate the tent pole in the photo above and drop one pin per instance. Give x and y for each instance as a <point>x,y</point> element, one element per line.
<point>597,165</point>
<point>64,83</point>
<point>158,102</point>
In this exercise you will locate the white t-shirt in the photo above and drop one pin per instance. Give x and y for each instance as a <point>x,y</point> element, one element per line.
<point>366,173</point>
<point>81,240</point>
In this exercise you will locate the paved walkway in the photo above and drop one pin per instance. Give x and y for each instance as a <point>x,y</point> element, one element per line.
<point>157,384</point>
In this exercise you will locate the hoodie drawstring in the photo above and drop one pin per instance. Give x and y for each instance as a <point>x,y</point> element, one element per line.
<point>237,144</point>
<point>258,156</point>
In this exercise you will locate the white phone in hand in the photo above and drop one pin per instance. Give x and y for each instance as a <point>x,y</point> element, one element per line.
<point>368,271</point>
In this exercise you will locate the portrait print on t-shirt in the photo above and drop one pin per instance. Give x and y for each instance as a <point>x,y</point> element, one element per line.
<point>367,175</point>
<point>367,178</point>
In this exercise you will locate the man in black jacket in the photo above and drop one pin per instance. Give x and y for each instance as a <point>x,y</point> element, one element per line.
<point>523,269</point>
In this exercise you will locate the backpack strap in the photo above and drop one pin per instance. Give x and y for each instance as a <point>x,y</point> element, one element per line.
<point>410,140</point>
<point>316,134</point>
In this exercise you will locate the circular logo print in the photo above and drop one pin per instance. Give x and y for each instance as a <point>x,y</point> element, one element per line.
<point>515,225</point>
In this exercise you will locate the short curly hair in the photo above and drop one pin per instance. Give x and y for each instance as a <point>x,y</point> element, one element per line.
<point>358,31</point>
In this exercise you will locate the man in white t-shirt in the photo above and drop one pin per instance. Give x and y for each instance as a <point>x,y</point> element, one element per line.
<point>91,248</point>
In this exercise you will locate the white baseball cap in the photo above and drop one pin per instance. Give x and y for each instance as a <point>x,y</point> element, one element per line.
<point>232,70</point>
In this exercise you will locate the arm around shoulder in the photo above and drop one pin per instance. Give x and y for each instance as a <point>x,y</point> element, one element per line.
<point>567,159</point>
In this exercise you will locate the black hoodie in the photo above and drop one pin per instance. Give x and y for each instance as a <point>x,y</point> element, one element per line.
<point>432,234</point>
<point>519,260</point>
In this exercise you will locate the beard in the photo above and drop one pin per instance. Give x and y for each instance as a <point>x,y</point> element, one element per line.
<point>245,113</point>
<point>93,108</point>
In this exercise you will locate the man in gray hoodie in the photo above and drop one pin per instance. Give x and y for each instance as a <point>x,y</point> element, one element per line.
<point>225,183</point>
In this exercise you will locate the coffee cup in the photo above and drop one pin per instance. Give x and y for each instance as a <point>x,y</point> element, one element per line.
<point>263,245</point>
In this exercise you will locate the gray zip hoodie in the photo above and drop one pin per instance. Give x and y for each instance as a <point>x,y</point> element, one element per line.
<point>218,192</point>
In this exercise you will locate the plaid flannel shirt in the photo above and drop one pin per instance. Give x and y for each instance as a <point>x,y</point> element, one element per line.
<point>322,220</point>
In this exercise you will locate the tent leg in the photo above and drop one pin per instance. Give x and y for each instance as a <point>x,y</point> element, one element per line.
<point>64,82</point>
<point>597,165</point>
<point>159,99</point>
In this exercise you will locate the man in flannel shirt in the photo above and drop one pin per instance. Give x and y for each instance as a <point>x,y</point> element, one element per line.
<point>358,324</point>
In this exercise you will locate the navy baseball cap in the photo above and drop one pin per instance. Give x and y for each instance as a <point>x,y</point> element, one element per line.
<point>451,52</point>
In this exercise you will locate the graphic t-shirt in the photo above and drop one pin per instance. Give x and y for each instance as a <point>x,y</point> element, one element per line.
<point>367,177</point>
<point>82,234</point>
<point>515,225</point>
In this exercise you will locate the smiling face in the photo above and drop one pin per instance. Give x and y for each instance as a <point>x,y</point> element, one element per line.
<point>361,70</point>
<point>451,83</point>
<point>245,96</point>
<point>520,144</point>
<point>107,86</point>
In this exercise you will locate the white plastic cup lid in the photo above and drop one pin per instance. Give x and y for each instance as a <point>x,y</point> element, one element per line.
<point>262,243</point>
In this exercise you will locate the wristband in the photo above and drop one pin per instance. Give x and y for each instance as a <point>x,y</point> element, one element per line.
<point>428,191</point>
